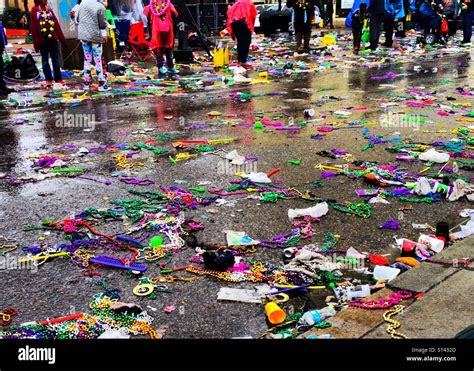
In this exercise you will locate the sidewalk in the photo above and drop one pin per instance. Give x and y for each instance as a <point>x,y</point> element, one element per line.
<point>444,311</point>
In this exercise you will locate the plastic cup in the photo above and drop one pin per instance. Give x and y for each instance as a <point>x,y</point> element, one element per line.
<point>408,245</point>
<point>274,313</point>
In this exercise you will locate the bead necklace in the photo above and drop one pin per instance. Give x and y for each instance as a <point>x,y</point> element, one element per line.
<point>88,326</point>
<point>159,7</point>
<point>330,241</point>
<point>227,276</point>
<point>384,303</point>
<point>393,325</point>
<point>6,316</point>
<point>362,209</point>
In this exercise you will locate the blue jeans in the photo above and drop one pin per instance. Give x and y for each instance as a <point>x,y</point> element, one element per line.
<point>47,50</point>
<point>467,26</point>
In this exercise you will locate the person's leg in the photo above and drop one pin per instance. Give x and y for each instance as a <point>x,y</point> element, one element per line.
<point>452,27</point>
<point>247,40</point>
<point>375,22</point>
<point>160,61</point>
<point>307,36</point>
<point>400,27</point>
<point>87,48</point>
<point>45,51</point>
<point>356,31</point>
<point>169,58</point>
<point>240,37</point>
<point>56,60</point>
<point>299,40</point>
<point>467,26</point>
<point>388,28</point>
<point>244,39</point>
<point>97,55</point>
<point>331,19</point>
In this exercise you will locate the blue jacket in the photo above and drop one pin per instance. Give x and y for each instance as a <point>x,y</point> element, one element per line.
<point>394,8</point>
<point>426,10</point>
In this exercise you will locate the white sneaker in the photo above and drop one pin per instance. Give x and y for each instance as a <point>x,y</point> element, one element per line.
<point>237,70</point>
<point>241,79</point>
<point>103,86</point>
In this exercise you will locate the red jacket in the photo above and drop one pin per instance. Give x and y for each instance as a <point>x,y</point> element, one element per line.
<point>36,29</point>
<point>161,39</point>
<point>242,10</point>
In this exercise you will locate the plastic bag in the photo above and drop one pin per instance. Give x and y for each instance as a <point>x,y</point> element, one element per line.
<point>385,273</point>
<point>434,156</point>
<point>259,178</point>
<point>315,211</point>
<point>365,33</point>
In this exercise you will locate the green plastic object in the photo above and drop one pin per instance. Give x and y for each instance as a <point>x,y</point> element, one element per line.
<point>294,162</point>
<point>258,125</point>
<point>198,189</point>
<point>156,241</point>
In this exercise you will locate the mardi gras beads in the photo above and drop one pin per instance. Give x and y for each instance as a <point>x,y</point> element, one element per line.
<point>159,7</point>
<point>393,325</point>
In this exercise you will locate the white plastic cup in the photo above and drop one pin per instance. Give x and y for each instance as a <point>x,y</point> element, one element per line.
<point>432,242</point>
<point>358,292</point>
<point>385,273</point>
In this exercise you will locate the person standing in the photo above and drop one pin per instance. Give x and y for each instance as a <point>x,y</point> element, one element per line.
<point>240,26</point>
<point>46,33</point>
<point>393,10</point>
<point>376,11</point>
<point>328,13</point>
<point>73,12</point>
<point>92,31</point>
<point>161,28</point>
<point>467,19</point>
<point>358,18</point>
<point>4,90</point>
<point>402,22</point>
<point>451,10</point>
<point>303,14</point>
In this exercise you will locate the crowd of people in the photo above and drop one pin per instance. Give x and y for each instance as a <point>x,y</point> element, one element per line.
<point>438,17</point>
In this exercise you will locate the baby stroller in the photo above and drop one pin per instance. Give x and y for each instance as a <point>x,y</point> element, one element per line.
<point>429,17</point>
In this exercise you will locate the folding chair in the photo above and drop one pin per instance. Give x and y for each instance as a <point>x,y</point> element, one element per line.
<point>140,47</point>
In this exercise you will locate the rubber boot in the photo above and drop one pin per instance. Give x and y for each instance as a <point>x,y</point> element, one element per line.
<point>299,39</point>
<point>307,39</point>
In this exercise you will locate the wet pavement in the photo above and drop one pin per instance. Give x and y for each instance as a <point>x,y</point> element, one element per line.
<point>58,288</point>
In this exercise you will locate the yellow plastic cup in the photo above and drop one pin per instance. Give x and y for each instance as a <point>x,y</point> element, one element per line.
<point>275,314</point>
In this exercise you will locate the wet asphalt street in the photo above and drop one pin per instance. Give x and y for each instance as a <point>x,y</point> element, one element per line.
<point>58,288</point>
